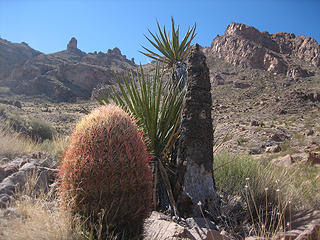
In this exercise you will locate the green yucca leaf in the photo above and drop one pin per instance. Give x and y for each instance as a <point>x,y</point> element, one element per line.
<point>170,47</point>
<point>156,106</point>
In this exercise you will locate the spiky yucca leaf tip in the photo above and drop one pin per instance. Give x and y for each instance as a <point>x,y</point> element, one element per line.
<point>106,170</point>
<point>172,49</point>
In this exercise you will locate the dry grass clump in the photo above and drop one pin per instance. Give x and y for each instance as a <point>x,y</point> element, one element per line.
<point>270,194</point>
<point>37,216</point>
<point>14,144</point>
<point>55,147</point>
<point>37,221</point>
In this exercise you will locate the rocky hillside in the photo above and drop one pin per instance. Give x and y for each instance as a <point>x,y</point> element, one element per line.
<point>266,91</point>
<point>13,55</point>
<point>265,87</point>
<point>61,76</point>
<point>277,53</point>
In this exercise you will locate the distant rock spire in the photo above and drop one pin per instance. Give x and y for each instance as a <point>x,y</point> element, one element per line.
<point>72,45</point>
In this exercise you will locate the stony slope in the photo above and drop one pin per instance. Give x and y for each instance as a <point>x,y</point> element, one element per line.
<point>266,90</point>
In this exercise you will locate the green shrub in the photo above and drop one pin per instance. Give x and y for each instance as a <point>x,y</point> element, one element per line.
<point>38,130</point>
<point>41,130</point>
<point>105,176</point>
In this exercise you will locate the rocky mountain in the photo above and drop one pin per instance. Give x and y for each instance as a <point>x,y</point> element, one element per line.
<point>62,76</point>
<point>277,53</point>
<point>266,90</point>
<point>13,55</point>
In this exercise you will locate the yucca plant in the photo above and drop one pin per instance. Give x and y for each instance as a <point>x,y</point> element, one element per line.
<point>157,107</point>
<point>155,104</point>
<point>174,53</point>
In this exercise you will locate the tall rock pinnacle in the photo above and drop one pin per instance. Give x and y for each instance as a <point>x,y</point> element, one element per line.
<point>72,44</point>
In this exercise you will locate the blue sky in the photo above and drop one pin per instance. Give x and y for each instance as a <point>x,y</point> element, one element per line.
<point>48,25</point>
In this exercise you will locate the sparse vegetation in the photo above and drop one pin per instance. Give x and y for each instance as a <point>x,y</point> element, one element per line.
<point>37,129</point>
<point>266,189</point>
<point>14,144</point>
<point>39,217</point>
<point>242,140</point>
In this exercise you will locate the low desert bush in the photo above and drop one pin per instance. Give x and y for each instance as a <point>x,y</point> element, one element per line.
<point>41,130</point>
<point>55,147</point>
<point>37,129</point>
<point>14,144</point>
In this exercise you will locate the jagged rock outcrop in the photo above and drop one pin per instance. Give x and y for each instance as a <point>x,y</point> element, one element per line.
<point>15,173</point>
<point>244,45</point>
<point>13,55</point>
<point>72,44</point>
<point>65,75</point>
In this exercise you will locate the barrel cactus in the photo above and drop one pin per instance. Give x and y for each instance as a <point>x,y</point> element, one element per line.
<point>105,171</point>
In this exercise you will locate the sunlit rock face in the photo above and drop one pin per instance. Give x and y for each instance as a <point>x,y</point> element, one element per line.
<point>245,45</point>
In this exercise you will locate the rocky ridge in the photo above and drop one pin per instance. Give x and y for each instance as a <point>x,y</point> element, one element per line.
<point>62,76</point>
<point>277,53</point>
<point>255,99</point>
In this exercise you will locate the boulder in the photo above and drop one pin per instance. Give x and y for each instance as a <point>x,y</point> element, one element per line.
<point>313,158</point>
<point>273,149</point>
<point>161,227</point>
<point>286,160</point>
<point>305,225</point>
<point>17,173</point>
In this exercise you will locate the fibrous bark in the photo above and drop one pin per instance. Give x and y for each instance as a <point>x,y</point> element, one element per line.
<point>195,182</point>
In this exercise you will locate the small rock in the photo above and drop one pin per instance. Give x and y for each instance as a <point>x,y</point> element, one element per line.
<point>10,213</point>
<point>2,174</point>
<point>161,227</point>
<point>273,149</point>
<point>286,160</point>
<point>4,200</point>
<point>282,111</point>
<point>254,151</point>
<point>278,137</point>
<point>299,157</point>
<point>313,158</point>
<point>17,104</point>
<point>4,160</point>
<point>254,123</point>
<point>201,222</point>
<point>309,132</point>
<point>312,147</point>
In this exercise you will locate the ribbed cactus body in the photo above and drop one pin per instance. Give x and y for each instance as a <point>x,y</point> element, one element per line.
<point>105,170</point>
